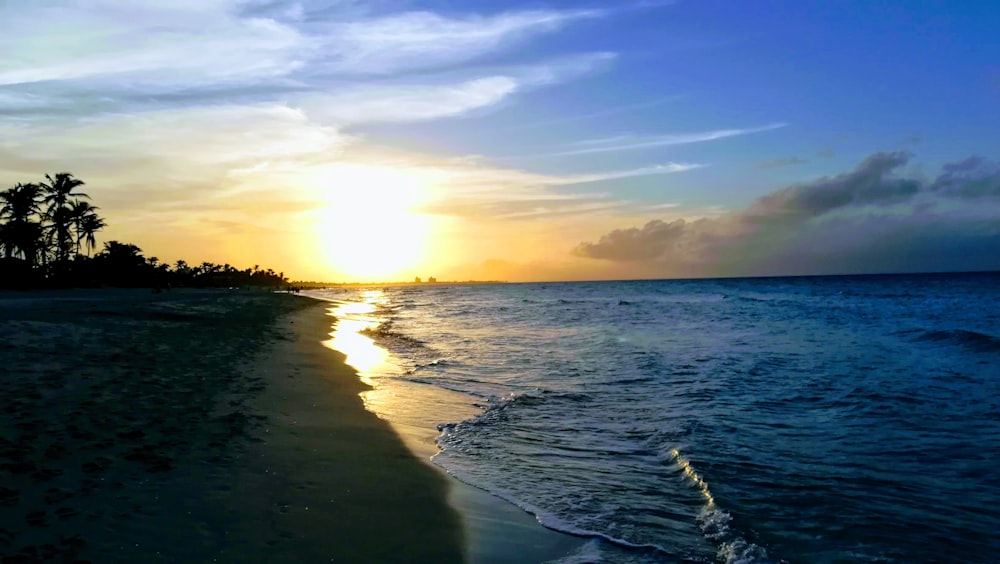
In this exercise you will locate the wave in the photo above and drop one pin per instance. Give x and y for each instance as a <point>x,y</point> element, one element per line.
<point>550,520</point>
<point>454,437</point>
<point>496,409</point>
<point>383,333</point>
<point>716,523</point>
<point>973,340</point>
<point>431,365</point>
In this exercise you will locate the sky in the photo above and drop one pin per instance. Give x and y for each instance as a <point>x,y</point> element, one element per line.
<point>382,140</point>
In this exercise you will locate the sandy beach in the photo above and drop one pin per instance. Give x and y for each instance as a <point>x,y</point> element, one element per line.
<point>199,425</point>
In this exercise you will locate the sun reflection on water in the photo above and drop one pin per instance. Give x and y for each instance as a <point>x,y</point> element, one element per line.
<point>362,353</point>
<point>414,409</point>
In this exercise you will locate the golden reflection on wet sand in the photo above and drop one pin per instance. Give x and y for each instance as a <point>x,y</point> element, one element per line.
<point>413,408</point>
<point>362,353</point>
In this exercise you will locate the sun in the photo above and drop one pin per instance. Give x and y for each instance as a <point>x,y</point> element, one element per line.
<point>369,230</point>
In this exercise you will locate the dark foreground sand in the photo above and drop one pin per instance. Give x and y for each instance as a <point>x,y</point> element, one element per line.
<point>199,426</point>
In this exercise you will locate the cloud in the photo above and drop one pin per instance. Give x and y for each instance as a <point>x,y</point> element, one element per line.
<point>870,183</point>
<point>598,114</point>
<point>870,219</point>
<point>630,142</point>
<point>781,162</point>
<point>668,168</point>
<point>168,160</point>
<point>402,102</point>
<point>417,40</point>
<point>473,189</point>
<point>974,177</point>
<point>149,56</point>
<point>143,44</point>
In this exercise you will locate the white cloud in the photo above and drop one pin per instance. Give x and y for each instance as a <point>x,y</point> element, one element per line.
<point>630,142</point>
<point>474,189</point>
<point>668,168</point>
<point>417,40</point>
<point>138,44</point>
<point>142,158</point>
<point>88,57</point>
<point>407,101</point>
<point>402,103</point>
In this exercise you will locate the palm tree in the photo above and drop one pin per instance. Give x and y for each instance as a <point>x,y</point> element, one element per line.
<point>58,191</point>
<point>60,230</point>
<point>21,234</point>
<point>79,211</point>
<point>89,226</point>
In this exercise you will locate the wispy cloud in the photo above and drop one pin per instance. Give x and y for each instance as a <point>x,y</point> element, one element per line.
<point>418,40</point>
<point>474,189</point>
<point>406,101</point>
<point>599,114</point>
<point>631,143</point>
<point>143,44</point>
<point>216,40</point>
<point>403,103</point>
<point>157,55</point>
<point>668,168</point>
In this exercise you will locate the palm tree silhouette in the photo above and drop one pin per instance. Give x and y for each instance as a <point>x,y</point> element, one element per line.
<point>60,230</point>
<point>22,234</point>
<point>88,228</point>
<point>44,225</point>
<point>79,212</point>
<point>58,191</point>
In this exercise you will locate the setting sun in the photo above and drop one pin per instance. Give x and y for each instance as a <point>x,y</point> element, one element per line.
<point>372,207</point>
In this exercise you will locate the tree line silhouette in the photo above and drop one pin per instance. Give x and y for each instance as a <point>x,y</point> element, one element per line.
<point>48,232</point>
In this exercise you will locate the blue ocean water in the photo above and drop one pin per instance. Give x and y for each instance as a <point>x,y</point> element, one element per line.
<point>826,419</point>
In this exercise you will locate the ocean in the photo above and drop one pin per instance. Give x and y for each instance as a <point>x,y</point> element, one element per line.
<point>807,419</point>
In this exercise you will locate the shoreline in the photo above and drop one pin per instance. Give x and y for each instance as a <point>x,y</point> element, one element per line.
<point>496,531</point>
<point>341,482</point>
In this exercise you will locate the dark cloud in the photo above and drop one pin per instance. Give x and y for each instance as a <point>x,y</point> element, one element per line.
<point>870,219</point>
<point>652,241</point>
<point>975,177</point>
<point>782,162</point>
<point>869,183</point>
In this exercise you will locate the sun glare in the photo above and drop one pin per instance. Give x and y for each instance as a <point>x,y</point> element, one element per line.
<point>369,231</point>
<point>362,352</point>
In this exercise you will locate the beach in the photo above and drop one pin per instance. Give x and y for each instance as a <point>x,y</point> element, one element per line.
<point>197,426</point>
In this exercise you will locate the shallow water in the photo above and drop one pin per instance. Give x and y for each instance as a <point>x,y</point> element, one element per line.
<point>743,420</point>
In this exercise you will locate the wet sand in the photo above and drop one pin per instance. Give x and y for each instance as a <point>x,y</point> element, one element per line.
<point>199,425</point>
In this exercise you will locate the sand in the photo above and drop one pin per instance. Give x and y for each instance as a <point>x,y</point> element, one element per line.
<point>198,425</point>
<point>204,425</point>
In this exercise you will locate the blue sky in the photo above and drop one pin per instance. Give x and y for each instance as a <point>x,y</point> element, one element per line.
<point>517,140</point>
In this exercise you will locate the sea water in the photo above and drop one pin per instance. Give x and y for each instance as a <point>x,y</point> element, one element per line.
<point>816,419</point>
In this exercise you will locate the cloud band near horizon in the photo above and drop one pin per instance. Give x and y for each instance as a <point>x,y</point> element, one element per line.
<point>868,220</point>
